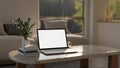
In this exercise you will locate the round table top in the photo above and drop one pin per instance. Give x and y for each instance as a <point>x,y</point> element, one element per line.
<point>84,51</point>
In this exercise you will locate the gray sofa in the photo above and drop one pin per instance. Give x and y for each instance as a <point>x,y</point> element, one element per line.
<point>7,44</point>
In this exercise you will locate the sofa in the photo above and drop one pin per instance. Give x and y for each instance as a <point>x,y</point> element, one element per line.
<point>8,42</point>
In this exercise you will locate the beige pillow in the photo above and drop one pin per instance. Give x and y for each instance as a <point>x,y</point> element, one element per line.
<point>2,32</point>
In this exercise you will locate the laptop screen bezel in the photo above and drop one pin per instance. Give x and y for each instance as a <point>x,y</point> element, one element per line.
<point>52,48</point>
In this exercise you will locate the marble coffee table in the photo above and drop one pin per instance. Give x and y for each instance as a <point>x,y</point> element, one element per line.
<point>84,51</point>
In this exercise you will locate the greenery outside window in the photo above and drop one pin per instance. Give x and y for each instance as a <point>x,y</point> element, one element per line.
<point>114,7</point>
<point>72,10</point>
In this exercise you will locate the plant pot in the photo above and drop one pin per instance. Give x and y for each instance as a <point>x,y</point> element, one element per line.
<point>24,43</point>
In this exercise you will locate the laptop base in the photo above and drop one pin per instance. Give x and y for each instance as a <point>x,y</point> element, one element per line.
<point>58,51</point>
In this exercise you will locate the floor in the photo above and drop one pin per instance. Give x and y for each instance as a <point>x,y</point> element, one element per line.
<point>70,64</point>
<point>13,66</point>
<point>7,66</point>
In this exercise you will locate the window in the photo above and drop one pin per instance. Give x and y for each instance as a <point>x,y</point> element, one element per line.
<point>72,10</point>
<point>114,6</point>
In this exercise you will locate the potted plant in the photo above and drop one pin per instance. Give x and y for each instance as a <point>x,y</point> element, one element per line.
<point>23,26</point>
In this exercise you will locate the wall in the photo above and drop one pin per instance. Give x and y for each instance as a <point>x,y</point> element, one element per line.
<point>108,34</point>
<point>11,9</point>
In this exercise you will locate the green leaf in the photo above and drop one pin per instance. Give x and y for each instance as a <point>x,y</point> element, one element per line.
<point>23,26</point>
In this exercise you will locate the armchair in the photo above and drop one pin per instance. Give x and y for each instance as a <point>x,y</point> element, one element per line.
<point>75,39</point>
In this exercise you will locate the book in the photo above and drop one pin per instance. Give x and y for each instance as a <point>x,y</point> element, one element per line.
<point>22,50</point>
<point>28,52</point>
<point>28,49</point>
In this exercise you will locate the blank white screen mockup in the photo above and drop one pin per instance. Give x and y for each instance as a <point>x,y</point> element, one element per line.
<point>52,38</point>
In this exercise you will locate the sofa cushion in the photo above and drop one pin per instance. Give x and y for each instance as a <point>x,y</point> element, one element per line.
<point>77,39</point>
<point>74,27</point>
<point>2,32</point>
<point>11,29</point>
<point>49,24</point>
<point>7,44</point>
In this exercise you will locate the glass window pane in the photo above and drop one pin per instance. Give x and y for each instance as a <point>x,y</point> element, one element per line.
<point>76,26</point>
<point>116,13</point>
<point>68,8</point>
<point>114,6</point>
<point>50,8</point>
<point>73,8</point>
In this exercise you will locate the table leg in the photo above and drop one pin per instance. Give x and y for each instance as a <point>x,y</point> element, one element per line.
<point>39,65</point>
<point>20,65</point>
<point>113,61</point>
<point>84,63</point>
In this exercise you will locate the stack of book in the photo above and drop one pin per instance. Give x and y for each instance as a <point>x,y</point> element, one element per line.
<point>28,50</point>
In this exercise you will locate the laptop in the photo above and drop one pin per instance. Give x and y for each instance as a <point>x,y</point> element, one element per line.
<point>53,41</point>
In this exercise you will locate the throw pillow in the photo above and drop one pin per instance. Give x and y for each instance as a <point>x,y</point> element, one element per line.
<point>11,29</point>
<point>56,24</point>
<point>2,32</point>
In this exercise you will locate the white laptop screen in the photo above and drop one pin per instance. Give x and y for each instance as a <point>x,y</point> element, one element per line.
<point>52,38</point>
